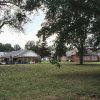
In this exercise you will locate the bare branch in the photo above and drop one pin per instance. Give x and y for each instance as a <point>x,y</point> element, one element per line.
<point>2,25</point>
<point>10,2</point>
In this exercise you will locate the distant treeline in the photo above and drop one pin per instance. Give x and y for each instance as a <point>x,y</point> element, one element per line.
<point>8,47</point>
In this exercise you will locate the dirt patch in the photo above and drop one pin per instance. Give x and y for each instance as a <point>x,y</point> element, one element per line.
<point>88,97</point>
<point>54,98</point>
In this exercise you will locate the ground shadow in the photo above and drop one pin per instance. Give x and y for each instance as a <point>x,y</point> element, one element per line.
<point>78,75</point>
<point>84,65</point>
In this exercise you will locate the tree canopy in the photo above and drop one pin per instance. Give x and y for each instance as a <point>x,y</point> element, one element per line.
<point>12,13</point>
<point>17,47</point>
<point>40,48</point>
<point>6,47</point>
<point>73,21</point>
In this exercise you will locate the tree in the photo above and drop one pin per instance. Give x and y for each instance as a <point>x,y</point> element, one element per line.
<point>60,48</point>
<point>44,50</point>
<point>30,45</point>
<point>96,30</point>
<point>39,48</point>
<point>71,20</point>
<point>17,47</point>
<point>6,47</point>
<point>12,13</point>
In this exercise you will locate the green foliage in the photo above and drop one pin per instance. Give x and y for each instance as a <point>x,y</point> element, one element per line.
<point>12,14</point>
<point>55,61</point>
<point>6,47</point>
<point>72,21</point>
<point>30,45</point>
<point>39,48</point>
<point>60,46</point>
<point>96,30</point>
<point>17,47</point>
<point>32,4</point>
<point>44,50</point>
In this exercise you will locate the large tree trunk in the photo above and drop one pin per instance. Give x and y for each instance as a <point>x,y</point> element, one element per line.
<point>81,57</point>
<point>81,53</point>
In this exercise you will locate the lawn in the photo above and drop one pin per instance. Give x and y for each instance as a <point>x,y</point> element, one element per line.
<point>47,82</point>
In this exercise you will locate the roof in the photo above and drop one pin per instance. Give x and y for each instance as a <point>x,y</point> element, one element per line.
<point>28,54</point>
<point>2,54</point>
<point>89,52</point>
<point>93,53</point>
<point>20,53</point>
<point>71,52</point>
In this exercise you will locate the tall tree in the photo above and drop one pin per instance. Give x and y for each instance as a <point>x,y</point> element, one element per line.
<point>72,20</point>
<point>17,47</point>
<point>44,50</point>
<point>30,45</point>
<point>60,48</point>
<point>6,47</point>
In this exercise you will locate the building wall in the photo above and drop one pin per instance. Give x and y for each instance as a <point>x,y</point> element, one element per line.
<point>75,58</point>
<point>99,58</point>
<point>24,60</point>
<point>90,58</point>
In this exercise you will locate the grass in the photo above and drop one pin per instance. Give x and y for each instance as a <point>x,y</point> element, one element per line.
<point>47,82</point>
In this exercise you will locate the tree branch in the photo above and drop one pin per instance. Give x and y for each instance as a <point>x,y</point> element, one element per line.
<point>9,2</point>
<point>2,25</point>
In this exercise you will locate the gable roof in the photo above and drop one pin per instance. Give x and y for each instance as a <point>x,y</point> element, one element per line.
<point>28,53</point>
<point>2,54</point>
<point>20,53</point>
<point>71,52</point>
<point>89,52</point>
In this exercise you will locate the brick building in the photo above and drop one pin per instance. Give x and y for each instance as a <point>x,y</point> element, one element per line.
<point>90,56</point>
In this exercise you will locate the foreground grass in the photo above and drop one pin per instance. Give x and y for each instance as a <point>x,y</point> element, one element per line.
<point>47,82</point>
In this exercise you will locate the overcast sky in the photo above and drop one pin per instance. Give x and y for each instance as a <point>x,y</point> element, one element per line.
<point>31,29</point>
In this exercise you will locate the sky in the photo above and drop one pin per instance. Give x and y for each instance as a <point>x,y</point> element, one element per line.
<point>31,29</point>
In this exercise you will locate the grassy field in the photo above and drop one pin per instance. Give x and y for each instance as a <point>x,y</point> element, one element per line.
<point>47,82</point>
